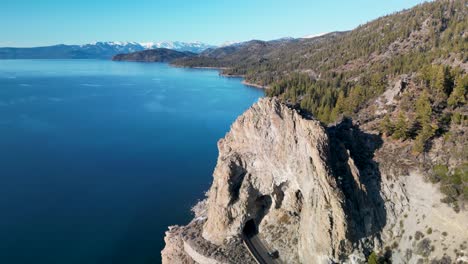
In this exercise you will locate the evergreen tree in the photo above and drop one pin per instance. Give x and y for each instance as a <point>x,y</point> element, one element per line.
<point>423,109</point>
<point>423,116</point>
<point>401,128</point>
<point>446,82</point>
<point>339,106</point>
<point>423,138</point>
<point>458,96</point>
<point>386,126</point>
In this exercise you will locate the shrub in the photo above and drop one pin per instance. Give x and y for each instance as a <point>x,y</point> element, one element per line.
<point>452,184</point>
<point>449,190</point>
<point>448,200</point>
<point>458,118</point>
<point>439,172</point>
<point>462,172</point>
<point>423,248</point>
<point>418,235</point>
<point>372,259</point>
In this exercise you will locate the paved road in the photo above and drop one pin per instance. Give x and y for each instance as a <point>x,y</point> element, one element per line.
<point>257,249</point>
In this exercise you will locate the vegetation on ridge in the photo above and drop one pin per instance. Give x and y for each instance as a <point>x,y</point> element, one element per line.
<point>338,74</point>
<point>415,58</point>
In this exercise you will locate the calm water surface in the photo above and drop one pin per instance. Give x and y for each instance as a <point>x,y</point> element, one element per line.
<point>97,158</point>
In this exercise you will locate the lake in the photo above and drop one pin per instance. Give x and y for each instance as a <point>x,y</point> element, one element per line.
<point>98,158</point>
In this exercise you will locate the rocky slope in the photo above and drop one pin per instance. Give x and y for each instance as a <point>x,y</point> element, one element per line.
<point>316,195</point>
<point>154,55</point>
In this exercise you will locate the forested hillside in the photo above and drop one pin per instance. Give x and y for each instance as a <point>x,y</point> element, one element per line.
<point>403,75</point>
<point>153,55</point>
<point>338,73</point>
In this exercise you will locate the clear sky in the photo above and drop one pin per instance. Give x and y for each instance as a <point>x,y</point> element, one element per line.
<point>43,22</point>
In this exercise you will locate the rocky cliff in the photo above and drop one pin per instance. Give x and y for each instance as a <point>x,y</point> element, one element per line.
<point>315,195</point>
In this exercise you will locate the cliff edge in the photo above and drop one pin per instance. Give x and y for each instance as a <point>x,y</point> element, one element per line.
<point>314,195</point>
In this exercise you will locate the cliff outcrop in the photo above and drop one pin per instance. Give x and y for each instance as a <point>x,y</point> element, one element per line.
<point>314,195</point>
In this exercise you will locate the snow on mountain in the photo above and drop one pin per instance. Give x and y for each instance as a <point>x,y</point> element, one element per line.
<point>123,46</point>
<point>195,47</point>
<point>314,35</point>
<point>97,50</point>
<point>230,43</point>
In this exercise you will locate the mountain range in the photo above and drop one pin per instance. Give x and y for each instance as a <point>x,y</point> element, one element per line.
<point>97,50</point>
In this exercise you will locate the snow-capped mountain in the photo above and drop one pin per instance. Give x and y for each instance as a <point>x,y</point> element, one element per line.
<point>110,48</point>
<point>126,47</point>
<point>314,35</point>
<point>230,43</point>
<point>97,50</point>
<point>195,47</point>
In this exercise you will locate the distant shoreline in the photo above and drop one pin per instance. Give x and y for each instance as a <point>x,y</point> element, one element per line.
<point>211,68</point>
<point>244,82</point>
<point>198,67</point>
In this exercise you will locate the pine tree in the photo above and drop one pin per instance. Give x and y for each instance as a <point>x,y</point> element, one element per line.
<point>386,126</point>
<point>423,137</point>
<point>339,106</point>
<point>401,128</point>
<point>423,116</point>
<point>458,95</point>
<point>423,109</point>
<point>355,99</point>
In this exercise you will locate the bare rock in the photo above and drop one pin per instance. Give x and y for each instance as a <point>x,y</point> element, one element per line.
<point>314,195</point>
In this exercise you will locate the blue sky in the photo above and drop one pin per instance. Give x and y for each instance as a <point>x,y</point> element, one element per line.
<point>33,23</point>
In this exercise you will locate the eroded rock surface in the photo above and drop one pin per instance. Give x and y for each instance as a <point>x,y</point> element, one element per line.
<point>315,194</point>
<point>272,168</point>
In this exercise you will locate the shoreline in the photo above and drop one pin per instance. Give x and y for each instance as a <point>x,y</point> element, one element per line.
<point>244,82</point>
<point>198,67</point>
<point>210,68</point>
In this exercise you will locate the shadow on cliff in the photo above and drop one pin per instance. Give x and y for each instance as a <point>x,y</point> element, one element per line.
<point>358,176</point>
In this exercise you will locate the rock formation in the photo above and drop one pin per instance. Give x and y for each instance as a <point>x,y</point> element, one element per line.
<point>314,194</point>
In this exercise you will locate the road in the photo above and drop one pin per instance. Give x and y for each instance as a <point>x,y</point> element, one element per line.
<point>256,248</point>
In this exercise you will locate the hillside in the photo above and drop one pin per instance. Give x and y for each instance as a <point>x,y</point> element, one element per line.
<point>154,55</point>
<point>401,75</point>
<point>362,158</point>
<point>368,58</point>
<point>252,53</point>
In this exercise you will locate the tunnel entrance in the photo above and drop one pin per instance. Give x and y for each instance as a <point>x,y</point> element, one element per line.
<point>250,229</point>
<point>262,206</point>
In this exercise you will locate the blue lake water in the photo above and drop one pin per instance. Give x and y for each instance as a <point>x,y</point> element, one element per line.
<point>97,158</point>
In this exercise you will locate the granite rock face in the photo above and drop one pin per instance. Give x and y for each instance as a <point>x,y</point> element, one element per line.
<point>315,195</point>
<point>272,168</point>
